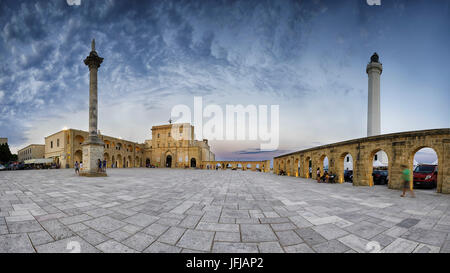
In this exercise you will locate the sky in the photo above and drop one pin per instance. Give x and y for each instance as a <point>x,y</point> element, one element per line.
<point>308,57</point>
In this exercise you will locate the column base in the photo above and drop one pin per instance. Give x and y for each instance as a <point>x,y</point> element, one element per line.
<point>92,152</point>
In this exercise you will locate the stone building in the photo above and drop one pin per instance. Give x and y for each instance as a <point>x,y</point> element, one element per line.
<point>165,149</point>
<point>174,146</point>
<point>3,140</point>
<point>65,148</point>
<point>32,151</point>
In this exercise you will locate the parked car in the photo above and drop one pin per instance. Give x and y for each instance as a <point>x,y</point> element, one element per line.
<point>380,177</point>
<point>425,175</point>
<point>348,176</point>
<point>12,166</point>
<point>2,167</point>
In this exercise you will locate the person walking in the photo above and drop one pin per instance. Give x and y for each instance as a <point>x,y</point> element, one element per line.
<point>318,175</point>
<point>77,168</point>
<point>406,177</point>
<point>99,163</point>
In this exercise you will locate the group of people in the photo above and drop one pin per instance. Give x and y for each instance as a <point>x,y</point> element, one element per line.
<point>101,166</point>
<point>326,177</point>
<point>406,177</point>
<point>78,167</point>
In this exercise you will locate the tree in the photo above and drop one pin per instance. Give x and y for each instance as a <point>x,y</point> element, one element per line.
<point>5,153</point>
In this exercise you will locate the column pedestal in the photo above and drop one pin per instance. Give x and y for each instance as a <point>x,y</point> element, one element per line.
<point>92,152</point>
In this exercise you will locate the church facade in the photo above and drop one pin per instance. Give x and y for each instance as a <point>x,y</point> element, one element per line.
<point>175,146</point>
<point>171,146</point>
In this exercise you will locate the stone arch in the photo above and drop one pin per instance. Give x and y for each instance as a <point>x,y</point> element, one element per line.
<point>288,167</point>
<point>113,161</point>
<point>321,163</point>
<point>369,168</point>
<point>168,160</point>
<point>275,166</point>
<point>193,162</point>
<point>130,162</point>
<point>297,166</point>
<point>119,161</point>
<point>136,162</point>
<point>106,157</point>
<point>341,165</point>
<point>78,156</point>
<point>410,163</point>
<point>147,162</point>
<point>307,166</point>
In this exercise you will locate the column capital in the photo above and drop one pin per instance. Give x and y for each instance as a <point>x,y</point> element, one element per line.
<point>93,60</point>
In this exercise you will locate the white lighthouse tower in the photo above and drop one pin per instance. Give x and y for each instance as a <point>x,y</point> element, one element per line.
<point>374,69</point>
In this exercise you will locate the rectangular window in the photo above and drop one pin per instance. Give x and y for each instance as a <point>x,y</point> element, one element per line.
<point>51,144</point>
<point>57,142</point>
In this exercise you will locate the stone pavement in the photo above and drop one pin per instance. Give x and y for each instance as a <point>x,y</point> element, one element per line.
<point>174,210</point>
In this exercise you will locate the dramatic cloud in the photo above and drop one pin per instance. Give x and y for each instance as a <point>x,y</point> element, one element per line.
<point>307,56</point>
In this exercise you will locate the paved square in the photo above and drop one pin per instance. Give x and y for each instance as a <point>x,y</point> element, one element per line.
<point>174,210</point>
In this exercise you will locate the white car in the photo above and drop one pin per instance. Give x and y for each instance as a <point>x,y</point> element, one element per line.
<point>2,167</point>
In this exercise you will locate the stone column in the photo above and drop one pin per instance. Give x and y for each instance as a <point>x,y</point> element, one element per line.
<point>93,147</point>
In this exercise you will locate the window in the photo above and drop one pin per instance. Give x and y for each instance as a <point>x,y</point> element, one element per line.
<point>57,142</point>
<point>158,135</point>
<point>376,157</point>
<point>348,159</point>
<point>169,134</point>
<point>51,144</point>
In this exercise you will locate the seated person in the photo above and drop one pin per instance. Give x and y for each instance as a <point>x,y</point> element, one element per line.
<point>332,177</point>
<point>324,176</point>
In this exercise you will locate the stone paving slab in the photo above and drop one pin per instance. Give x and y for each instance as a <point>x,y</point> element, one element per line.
<point>174,210</point>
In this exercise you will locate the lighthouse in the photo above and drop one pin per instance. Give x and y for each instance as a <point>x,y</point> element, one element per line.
<point>373,70</point>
